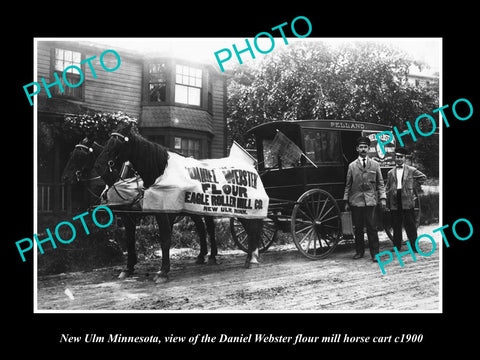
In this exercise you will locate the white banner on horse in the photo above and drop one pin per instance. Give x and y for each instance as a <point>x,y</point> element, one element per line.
<point>227,187</point>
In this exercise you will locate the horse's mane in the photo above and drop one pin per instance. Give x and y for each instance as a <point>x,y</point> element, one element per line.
<point>148,158</point>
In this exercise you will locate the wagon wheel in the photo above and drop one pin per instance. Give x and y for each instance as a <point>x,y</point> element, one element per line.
<point>387,217</point>
<point>239,235</point>
<point>316,224</point>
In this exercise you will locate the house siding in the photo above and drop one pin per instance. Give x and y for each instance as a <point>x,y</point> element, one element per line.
<point>125,90</point>
<point>113,91</point>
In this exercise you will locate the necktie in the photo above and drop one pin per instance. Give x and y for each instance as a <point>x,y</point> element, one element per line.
<point>364,163</point>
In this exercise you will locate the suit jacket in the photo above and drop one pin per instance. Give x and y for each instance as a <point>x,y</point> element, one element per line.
<point>364,186</point>
<point>410,174</point>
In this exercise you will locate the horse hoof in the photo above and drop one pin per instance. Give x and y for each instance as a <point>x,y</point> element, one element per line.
<point>125,273</point>
<point>160,278</point>
<point>250,265</point>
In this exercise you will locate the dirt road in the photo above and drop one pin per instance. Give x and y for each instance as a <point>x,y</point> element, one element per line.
<point>285,281</point>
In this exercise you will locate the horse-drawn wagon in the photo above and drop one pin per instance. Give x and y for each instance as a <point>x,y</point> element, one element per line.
<point>303,166</point>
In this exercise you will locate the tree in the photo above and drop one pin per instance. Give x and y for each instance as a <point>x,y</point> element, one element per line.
<point>363,81</point>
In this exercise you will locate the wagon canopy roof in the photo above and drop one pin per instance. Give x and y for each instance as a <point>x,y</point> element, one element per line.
<point>267,130</point>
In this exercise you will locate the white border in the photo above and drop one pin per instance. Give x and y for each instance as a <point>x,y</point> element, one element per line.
<point>225,43</point>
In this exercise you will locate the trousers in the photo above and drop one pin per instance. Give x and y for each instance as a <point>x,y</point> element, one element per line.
<point>405,218</point>
<point>364,216</point>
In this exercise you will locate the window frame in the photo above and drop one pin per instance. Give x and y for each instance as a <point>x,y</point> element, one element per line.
<point>79,91</point>
<point>187,84</point>
<point>318,156</point>
<point>148,81</point>
<point>196,153</point>
<point>170,75</point>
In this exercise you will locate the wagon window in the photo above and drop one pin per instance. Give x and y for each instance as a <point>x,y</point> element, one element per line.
<point>322,146</point>
<point>279,156</point>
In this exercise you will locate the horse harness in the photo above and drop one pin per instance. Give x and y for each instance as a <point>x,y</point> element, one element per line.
<point>124,171</point>
<point>78,173</point>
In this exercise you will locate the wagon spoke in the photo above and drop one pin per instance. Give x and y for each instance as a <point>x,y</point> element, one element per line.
<point>325,214</point>
<point>320,242</point>
<point>323,207</point>
<point>312,235</point>
<point>325,242</point>
<point>318,205</point>
<point>315,205</point>
<point>307,234</point>
<point>267,234</point>
<point>242,237</point>
<point>314,241</point>
<point>302,230</point>
<point>316,218</point>
<point>310,215</point>
<point>333,217</point>
<point>262,242</point>
<point>307,206</point>
<point>301,221</point>
<point>241,232</point>
<point>319,236</point>
<point>303,212</point>
<point>330,238</point>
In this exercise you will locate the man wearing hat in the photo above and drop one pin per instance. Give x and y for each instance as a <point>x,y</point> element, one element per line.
<point>400,198</point>
<point>364,185</point>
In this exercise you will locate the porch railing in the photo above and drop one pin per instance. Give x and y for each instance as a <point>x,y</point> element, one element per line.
<point>51,197</point>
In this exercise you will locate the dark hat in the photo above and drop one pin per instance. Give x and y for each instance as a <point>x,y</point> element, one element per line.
<point>363,140</point>
<point>401,150</point>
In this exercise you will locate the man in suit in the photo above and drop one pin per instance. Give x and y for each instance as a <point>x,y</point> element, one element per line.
<point>364,184</point>
<point>400,198</point>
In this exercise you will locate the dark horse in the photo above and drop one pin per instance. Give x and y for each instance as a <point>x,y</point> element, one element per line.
<point>79,169</point>
<point>150,160</point>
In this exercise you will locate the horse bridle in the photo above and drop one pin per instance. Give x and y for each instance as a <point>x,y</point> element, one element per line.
<point>111,163</point>
<point>78,173</point>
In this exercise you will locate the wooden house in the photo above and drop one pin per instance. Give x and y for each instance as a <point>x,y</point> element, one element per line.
<point>180,104</point>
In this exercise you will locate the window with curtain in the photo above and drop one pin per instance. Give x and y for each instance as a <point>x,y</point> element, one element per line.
<point>187,146</point>
<point>322,146</point>
<point>157,82</point>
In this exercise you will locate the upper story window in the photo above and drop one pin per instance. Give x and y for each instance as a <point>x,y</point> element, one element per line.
<point>63,59</point>
<point>157,82</point>
<point>188,85</point>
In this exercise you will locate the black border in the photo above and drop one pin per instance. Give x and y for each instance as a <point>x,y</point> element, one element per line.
<point>43,331</point>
